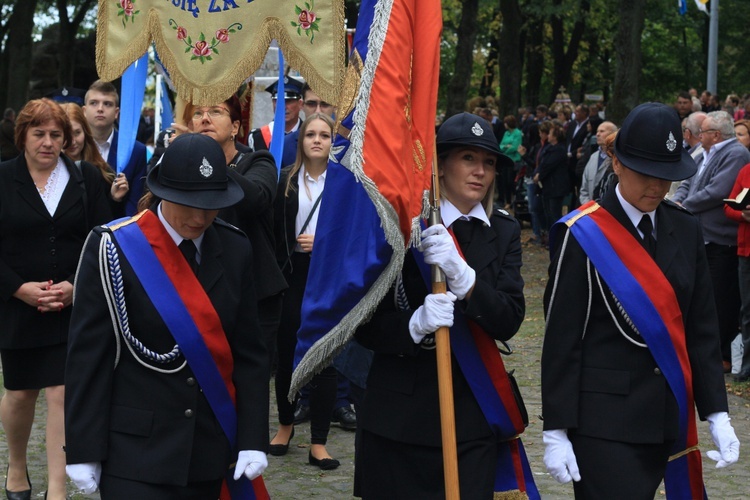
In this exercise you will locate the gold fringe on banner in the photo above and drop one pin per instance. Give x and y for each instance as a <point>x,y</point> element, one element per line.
<point>233,42</point>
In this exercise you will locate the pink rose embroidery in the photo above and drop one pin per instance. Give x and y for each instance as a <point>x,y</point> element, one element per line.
<point>201,49</point>
<point>181,33</point>
<point>306,18</point>
<point>307,22</point>
<point>222,35</point>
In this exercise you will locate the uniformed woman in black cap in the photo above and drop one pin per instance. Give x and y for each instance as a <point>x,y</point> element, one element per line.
<point>400,454</point>
<point>167,368</point>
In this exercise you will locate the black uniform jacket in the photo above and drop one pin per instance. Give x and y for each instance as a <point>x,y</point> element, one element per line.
<point>37,246</point>
<point>598,382</point>
<point>285,216</point>
<point>256,173</point>
<point>155,427</point>
<point>401,402</point>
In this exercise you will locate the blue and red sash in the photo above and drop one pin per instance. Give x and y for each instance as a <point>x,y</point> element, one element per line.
<point>192,320</point>
<point>649,300</point>
<point>482,366</point>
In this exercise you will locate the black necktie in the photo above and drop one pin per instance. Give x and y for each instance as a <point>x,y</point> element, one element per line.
<point>187,247</point>
<point>647,228</point>
<point>463,230</point>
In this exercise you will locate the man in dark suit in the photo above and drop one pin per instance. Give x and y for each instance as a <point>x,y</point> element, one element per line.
<point>260,138</point>
<point>161,404</point>
<point>575,133</point>
<point>101,109</point>
<point>611,411</point>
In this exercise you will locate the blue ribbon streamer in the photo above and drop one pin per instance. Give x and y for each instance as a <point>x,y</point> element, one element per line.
<point>279,123</point>
<point>131,102</point>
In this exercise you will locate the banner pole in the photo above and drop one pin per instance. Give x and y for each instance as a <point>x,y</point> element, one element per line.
<point>443,352</point>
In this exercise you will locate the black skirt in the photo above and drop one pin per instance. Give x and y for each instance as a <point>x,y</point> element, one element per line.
<point>34,368</point>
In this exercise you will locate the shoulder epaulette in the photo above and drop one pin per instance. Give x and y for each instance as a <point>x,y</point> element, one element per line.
<point>225,224</point>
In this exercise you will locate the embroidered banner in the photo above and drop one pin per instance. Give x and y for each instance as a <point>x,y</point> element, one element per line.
<point>210,47</point>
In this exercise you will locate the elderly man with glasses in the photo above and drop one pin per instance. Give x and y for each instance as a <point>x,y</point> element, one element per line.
<point>703,195</point>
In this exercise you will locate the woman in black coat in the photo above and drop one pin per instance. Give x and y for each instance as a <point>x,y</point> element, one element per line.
<point>553,176</point>
<point>47,207</point>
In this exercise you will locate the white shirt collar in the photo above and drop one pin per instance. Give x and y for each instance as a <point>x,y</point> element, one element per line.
<point>634,214</point>
<point>176,236</point>
<point>449,213</point>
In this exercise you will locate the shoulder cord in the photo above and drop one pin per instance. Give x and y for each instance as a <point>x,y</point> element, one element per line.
<point>622,313</point>
<point>114,293</point>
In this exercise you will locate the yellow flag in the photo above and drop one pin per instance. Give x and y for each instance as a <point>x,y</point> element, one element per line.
<point>209,47</point>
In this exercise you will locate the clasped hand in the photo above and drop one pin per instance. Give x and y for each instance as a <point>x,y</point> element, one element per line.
<point>250,463</point>
<point>46,296</point>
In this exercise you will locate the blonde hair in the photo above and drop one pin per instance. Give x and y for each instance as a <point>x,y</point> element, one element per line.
<point>300,159</point>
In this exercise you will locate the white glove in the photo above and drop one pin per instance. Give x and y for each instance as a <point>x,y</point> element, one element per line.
<point>251,463</point>
<point>85,476</point>
<point>559,457</point>
<point>724,438</point>
<point>439,249</point>
<point>436,311</point>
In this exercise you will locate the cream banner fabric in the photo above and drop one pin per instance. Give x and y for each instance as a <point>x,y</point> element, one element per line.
<point>210,47</point>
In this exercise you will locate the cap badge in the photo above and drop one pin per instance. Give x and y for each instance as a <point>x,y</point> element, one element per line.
<point>286,79</point>
<point>671,143</point>
<point>206,169</point>
<point>477,129</point>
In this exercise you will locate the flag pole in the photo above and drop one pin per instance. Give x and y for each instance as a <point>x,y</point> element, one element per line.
<point>443,352</point>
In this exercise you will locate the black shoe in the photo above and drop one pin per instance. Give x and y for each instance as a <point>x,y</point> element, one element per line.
<point>324,464</point>
<point>743,376</point>
<point>345,417</point>
<point>301,413</point>
<point>279,450</point>
<point>17,495</point>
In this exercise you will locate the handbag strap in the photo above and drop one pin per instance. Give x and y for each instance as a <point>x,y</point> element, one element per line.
<point>304,226</point>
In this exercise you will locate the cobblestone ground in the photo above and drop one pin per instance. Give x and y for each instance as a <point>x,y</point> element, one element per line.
<point>291,478</point>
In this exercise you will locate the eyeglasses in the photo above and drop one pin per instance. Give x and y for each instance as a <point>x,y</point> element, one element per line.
<point>708,130</point>
<point>314,104</point>
<point>213,113</point>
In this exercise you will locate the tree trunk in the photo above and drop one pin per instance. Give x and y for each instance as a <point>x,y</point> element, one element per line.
<point>510,58</point>
<point>68,29</point>
<point>487,87</point>
<point>19,44</point>
<point>564,59</point>
<point>534,61</point>
<point>628,59</point>
<point>458,86</point>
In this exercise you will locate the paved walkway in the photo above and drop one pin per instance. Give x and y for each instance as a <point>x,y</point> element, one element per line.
<point>291,478</point>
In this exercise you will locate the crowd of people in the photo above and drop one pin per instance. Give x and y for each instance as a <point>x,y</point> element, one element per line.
<point>153,304</point>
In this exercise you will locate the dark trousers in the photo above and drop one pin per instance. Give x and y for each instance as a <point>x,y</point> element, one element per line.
<point>744,276</point>
<point>116,488</point>
<point>536,209</point>
<point>614,470</point>
<point>269,314</point>
<point>323,385</point>
<point>722,264</point>
<point>505,185</point>
<point>552,209</point>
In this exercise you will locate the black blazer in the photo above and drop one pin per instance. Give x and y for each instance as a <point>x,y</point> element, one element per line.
<point>257,175</point>
<point>401,402</point>
<point>155,427</point>
<point>285,214</point>
<point>553,171</point>
<point>602,384</point>
<point>37,246</point>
